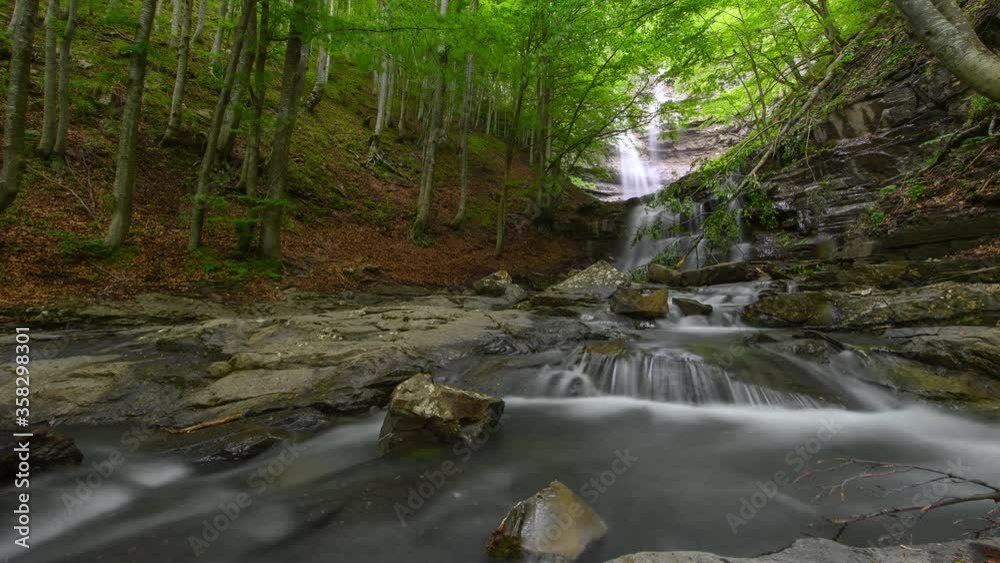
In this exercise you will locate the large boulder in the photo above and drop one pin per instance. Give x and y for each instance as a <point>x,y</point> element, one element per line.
<point>641,304</point>
<point>600,278</point>
<point>424,414</point>
<point>692,308</point>
<point>554,525</point>
<point>827,551</point>
<point>934,305</point>
<point>500,284</point>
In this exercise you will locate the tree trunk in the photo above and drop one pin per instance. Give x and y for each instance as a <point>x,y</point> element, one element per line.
<point>180,81</point>
<point>208,159</point>
<point>466,126</point>
<point>234,109</point>
<point>17,101</point>
<point>322,71</point>
<point>942,26</point>
<point>389,93</point>
<point>277,170</point>
<point>383,89</point>
<point>421,225</point>
<point>124,186</point>
<point>50,102</point>
<point>59,149</point>
<point>402,104</point>
<point>176,13</point>
<point>199,30</point>
<point>220,30</point>
<point>251,162</point>
<point>509,160</point>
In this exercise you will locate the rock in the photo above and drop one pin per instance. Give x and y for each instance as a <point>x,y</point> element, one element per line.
<point>729,272</point>
<point>599,279</point>
<point>494,285</point>
<point>971,348</point>
<point>657,273</point>
<point>613,348</point>
<point>934,305</point>
<point>425,414</point>
<point>49,448</point>
<point>639,304</point>
<point>827,551</point>
<point>692,308</point>
<point>500,284</point>
<point>554,525</point>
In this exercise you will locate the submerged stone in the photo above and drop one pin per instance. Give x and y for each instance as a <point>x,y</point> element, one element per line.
<point>425,414</point>
<point>554,525</point>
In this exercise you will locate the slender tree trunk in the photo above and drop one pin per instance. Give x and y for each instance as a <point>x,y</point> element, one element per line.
<point>176,13</point>
<point>942,26</point>
<point>124,186</point>
<point>199,30</point>
<point>13,18</point>
<point>220,30</point>
<point>383,87</point>
<point>277,170</point>
<point>211,145</point>
<point>50,102</point>
<point>422,223</point>
<point>466,126</point>
<point>66,42</point>
<point>180,80</point>
<point>389,93</point>
<point>17,101</point>
<point>251,163</point>
<point>322,71</point>
<point>234,109</point>
<point>522,83</point>
<point>402,104</point>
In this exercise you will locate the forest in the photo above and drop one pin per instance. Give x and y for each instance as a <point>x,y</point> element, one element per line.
<point>639,281</point>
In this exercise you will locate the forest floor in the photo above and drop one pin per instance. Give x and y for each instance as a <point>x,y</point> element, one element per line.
<point>346,223</point>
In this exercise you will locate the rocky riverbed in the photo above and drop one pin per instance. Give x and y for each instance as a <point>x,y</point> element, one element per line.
<point>212,382</point>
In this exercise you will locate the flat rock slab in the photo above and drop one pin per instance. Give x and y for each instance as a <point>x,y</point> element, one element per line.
<point>826,551</point>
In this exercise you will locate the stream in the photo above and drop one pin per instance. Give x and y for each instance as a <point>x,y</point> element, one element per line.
<point>696,435</point>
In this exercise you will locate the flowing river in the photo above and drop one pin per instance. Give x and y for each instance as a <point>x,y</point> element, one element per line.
<point>702,434</point>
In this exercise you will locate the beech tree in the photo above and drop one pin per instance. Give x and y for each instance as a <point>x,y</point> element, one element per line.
<point>50,101</point>
<point>292,82</point>
<point>23,24</point>
<point>124,186</point>
<point>208,159</point>
<point>65,44</point>
<point>180,80</point>
<point>948,33</point>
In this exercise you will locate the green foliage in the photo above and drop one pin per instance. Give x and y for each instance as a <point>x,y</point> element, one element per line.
<point>75,248</point>
<point>982,107</point>
<point>888,190</point>
<point>876,217</point>
<point>916,193</point>
<point>722,227</point>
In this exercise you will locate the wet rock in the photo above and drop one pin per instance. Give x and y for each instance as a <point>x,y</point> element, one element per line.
<point>934,305</point>
<point>827,551</point>
<point>425,414</point>
<point>690,307</point>
<point>970,348</point>
<point>48,448</point>
<point>554,525</point>
<point>600,278</point>
<point>657,273</point>
<point>612,348</point>
<point>641,304</point>
<point>730,272</point>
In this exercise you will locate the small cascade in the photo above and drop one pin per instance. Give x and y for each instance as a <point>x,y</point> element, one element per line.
<point>663,375</point>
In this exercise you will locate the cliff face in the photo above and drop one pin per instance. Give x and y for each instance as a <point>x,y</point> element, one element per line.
<point>899,163</point>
